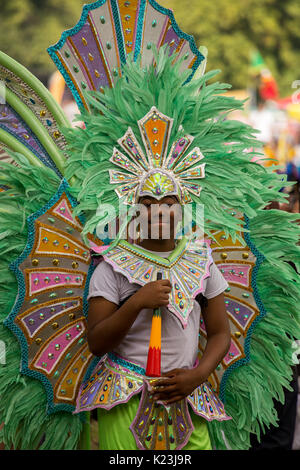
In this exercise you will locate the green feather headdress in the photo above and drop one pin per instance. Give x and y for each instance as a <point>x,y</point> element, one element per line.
<point>232,181</point>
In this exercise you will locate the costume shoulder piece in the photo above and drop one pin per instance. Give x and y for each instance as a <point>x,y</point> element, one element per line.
<point>186,268</point>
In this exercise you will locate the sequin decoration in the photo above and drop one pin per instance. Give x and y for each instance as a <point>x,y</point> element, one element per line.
<point>154,172</point>
<point>49,317</point>
<point>237,264</point>
<point>187,271</point>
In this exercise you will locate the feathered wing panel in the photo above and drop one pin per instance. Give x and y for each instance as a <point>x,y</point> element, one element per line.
<point>91,54</point>
<point>261,303</point>
<point>30,118</point>
<point>238,263</point>
<point>49,314</point>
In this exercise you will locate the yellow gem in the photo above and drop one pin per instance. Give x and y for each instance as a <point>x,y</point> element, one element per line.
<point>91,57</point>
<point>38,341</point>
<point>223,255</point>
<point>56,134</point>
<point>72,316</point>
<point>55,262</point>
<point>74,265</point>
<point>245,255</point>
<point>84,41</point>
<point>237,334</point>
<point>54,325</point>
<point>35,262</point>
<point>43,113</point>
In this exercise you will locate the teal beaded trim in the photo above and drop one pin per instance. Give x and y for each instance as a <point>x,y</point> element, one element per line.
<point>120,39</point>
<point>119,33</point>
<point>139,30</point>
<point>70,32</point>
<point>181,34</point>
<point>47,162</point>
<point>262,312</point>
<point>9,322</point>
<point>128,365</point>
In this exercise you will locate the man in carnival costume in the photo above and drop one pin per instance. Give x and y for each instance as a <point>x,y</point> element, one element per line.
<point>178,342</point>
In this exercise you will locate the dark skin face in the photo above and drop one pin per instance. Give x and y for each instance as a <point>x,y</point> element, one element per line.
<point>161,243</point>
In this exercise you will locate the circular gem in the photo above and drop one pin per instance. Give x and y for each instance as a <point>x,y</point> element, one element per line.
<point>35,262</point>
<point>74,265</point>
<point>154,23</point>
<point>102,19</point>
<point>55,262</point>
<point>38,341</point>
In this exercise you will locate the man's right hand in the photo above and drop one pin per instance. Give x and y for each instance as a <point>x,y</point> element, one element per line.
<point>154,294</point>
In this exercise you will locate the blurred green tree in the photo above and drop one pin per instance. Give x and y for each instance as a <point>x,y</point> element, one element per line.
<point>28,27</point>
<point>229,29</point>
<point>232,29</point>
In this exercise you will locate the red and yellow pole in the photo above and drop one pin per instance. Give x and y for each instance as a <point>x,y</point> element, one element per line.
<point>153,368</point>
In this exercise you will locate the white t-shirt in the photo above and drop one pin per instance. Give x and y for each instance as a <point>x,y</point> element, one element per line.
<point>179,346</point>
